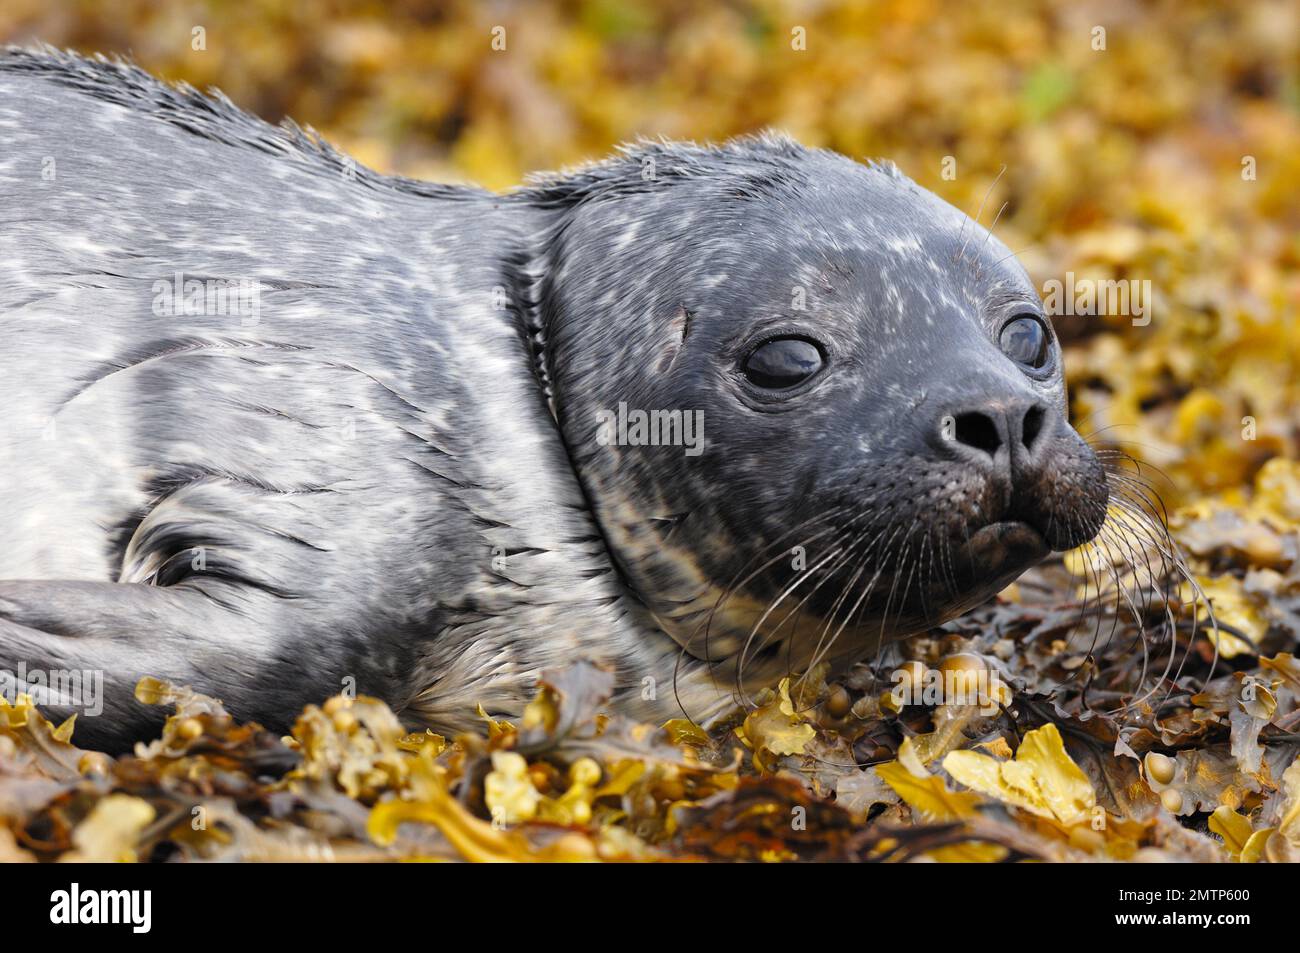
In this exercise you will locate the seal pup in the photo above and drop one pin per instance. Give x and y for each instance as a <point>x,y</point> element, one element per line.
<point>277,426</point>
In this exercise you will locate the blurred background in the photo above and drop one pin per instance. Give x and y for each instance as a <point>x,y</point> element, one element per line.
<point>1170,155</point>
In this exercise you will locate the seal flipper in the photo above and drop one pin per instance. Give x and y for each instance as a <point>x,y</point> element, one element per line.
<point>103,637</point>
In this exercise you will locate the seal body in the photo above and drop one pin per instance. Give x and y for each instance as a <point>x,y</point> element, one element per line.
<point>277,426</point>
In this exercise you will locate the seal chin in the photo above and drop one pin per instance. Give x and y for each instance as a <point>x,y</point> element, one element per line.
<point>1008,545</point>
<point>994,557</point>
<point>997,554</point>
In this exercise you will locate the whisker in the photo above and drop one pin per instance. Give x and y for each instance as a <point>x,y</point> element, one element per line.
<point>962,251</point>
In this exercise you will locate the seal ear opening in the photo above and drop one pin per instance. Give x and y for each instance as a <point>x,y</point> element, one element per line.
<point>678,330</point>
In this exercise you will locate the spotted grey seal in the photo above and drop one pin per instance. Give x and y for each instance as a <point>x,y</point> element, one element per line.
<point>277,425</point>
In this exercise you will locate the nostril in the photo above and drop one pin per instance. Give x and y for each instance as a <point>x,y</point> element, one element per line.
<point>979,431</point>
<point>1032,426</point>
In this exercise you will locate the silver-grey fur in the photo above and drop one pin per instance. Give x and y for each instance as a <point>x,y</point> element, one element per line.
<point>388,479</point>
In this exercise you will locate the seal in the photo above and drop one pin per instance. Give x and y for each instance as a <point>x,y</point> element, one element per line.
<point>278,426</point>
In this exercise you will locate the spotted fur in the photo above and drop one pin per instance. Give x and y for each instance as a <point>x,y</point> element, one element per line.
<point>388,480</point>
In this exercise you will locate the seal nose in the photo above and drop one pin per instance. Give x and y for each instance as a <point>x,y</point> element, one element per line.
<point>989,429</point>
<point>999,436</point>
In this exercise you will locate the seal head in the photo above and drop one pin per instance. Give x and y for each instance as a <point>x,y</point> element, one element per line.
<point>884,435</point>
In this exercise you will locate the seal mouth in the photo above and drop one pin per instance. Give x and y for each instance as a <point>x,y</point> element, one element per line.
<point>992,557</point>
<point>995,556</point>
<point>998,553</point>
<point>1006,542</point>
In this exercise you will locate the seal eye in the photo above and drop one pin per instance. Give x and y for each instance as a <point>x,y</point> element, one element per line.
<point>1025,341</point>
<point>782,363</point>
